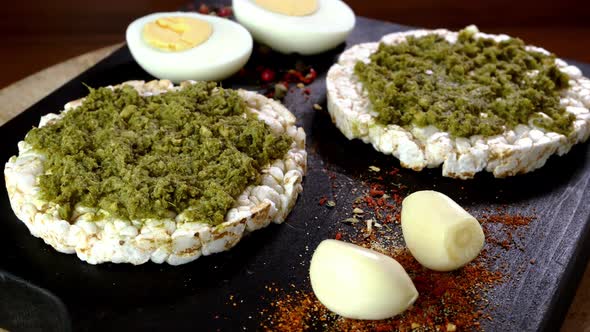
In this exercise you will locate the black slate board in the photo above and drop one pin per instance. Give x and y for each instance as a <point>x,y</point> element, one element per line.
<point>195,296</point>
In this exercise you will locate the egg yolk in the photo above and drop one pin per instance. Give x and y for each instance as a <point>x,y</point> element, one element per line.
<point>290,7</point>
<point>176,33</point>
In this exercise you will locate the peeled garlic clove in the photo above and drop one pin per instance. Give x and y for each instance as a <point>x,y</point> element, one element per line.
<point>359,283</point>
<point>439,233</point>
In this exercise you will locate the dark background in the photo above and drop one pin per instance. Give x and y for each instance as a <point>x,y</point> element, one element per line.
<point>38,34</point>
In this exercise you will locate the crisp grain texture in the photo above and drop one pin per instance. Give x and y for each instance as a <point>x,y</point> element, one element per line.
<point>173,240</point>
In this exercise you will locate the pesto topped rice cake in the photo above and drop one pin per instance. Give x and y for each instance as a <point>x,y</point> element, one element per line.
<point>152,171</point>
<point>467,100</point>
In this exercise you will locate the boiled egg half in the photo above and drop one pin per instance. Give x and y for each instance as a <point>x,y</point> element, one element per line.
<point>183,46</point>
<point>296,26</point>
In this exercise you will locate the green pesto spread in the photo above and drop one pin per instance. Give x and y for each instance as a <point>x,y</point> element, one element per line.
<point>476,86</point>
<point>148,157</point>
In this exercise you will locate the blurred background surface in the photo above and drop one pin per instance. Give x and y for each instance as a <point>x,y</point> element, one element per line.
<point>38,34</point>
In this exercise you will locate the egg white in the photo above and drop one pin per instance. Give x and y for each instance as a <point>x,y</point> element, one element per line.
<point>226,51</point>
<point>316,33</point>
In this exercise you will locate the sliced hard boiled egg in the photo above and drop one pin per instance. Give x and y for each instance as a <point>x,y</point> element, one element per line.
<point>296,26</point>
<point>188,46</point>
<point>440,234</point>
<point>359,283</point>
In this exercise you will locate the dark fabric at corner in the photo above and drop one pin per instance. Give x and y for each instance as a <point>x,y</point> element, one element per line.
<point>25,307</point>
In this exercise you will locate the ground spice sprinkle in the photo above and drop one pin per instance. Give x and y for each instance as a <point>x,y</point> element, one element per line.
<point>448,301</point>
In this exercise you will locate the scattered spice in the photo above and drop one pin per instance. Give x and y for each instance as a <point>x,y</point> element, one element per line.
<point>310,77</point>
<point>274,76</point>
<point>350,220</point>
<point>317,107</point>
<point>297,76</point>
<point>323,200</point>
<point>300,311</point>
<point>331,204</point>
<point>376,191</point>
<point>224,11</point>
<point>369,223</point>
<point>448,301</point>
<point>204,9</point>
<point>267,75</point>
<point>503,217</point>
<point>374,169</point>
<point>510,225</point>
<point>280,90</point>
